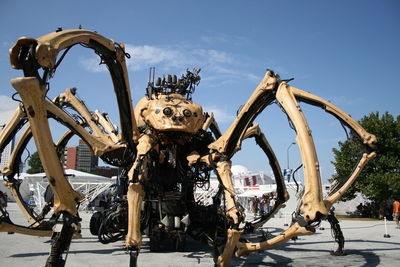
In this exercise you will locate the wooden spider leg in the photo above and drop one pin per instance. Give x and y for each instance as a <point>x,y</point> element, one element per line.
<point>12,167</point>
<point>9,227</point>
<point>360,166</point>
<point>11,128</point>
<point>69,98</point>
<point>106,123</point>
<point>33,97</point>
<point>97,145</point>
<point>295,230</point>
<point>369,140</point>
<point>21,204</point>
<point>228,144</point>
<point>135,194</point>
<point>223,168</point>
<point>14,161</point>
<point>49,46</point>
<point>232,211</point>
<point>286,95</point>
<point>313,207</point>
<point>224,174</point>
<point>212,124</point>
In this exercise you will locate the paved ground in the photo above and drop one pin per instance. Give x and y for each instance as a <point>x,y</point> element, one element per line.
<point>365,246</point>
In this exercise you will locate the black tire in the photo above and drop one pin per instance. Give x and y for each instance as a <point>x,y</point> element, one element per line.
<point>95,222</point>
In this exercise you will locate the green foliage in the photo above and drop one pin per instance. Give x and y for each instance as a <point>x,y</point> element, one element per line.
<point>380,180</point>
<point>35,164</point>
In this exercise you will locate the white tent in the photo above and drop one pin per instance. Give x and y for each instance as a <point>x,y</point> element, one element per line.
<point>72,175</point>
<point>257,190</point>
<point>89,185</point>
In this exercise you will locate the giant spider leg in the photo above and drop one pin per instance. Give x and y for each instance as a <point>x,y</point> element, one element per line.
<point>32,54</point>
<point>212,124</point>
<point>32,94</point>
<point>46,49</point>
<point>10,227</point>
<point>314,207</point>
<point>368,139</point>
<point>105,122</point>
<point>312,202</point>
<point>12,168</point>
<point>17,120</point>
<point>228,144</point>
<point>135,193</point>
<point>68,98</point>
<point>135,196</point>
<point>100,142</point>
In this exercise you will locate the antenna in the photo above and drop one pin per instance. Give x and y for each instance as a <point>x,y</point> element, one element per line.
<point>151,75</point>
<point>150,84</point>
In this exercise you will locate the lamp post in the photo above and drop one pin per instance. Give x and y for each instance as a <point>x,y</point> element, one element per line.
<point>287,153</point>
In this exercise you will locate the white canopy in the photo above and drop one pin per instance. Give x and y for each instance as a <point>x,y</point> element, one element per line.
<point>89,185</point>
<point>257,193</point>
<point>74,176</point>
<point>257,190</point>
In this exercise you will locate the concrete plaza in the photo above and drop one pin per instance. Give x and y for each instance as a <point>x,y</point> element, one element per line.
<point>365,246</point>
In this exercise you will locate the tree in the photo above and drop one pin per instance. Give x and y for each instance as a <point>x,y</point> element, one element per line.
<point>35,164</point>
<point>380,180</point>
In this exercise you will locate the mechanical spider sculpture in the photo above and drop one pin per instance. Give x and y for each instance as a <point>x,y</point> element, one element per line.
<point>166,147</point>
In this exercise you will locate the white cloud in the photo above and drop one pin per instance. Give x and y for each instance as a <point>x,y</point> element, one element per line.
<point>167,58</point>
<point>177,58</point>
<point>7,108</point>
<point>214,39</point>
<point>221,116</point>
<point>219,38</point>
<point>345,101</point>
<point>214,56</point>
<point>92,64</point>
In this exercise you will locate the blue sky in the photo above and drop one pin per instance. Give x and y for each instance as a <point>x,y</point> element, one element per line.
<point>344,51</point>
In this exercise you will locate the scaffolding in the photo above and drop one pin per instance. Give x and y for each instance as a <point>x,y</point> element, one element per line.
<point>89,188</point>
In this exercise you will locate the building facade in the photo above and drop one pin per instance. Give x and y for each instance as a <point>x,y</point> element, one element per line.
<point>80,158</point>
<point>5,155</point>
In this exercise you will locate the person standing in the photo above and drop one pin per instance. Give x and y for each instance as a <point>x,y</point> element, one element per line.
<point>261,211</point>
<point>267,198</point>
<point>254,205</point>
<point>396,212</point>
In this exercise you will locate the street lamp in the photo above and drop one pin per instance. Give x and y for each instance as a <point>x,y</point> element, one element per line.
<point>287,153</point>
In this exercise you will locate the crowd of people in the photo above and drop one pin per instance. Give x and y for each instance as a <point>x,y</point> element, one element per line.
<point>363,210</point>
<point>263,204</point>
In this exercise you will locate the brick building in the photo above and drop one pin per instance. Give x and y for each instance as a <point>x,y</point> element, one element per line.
<point>80,158</point>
